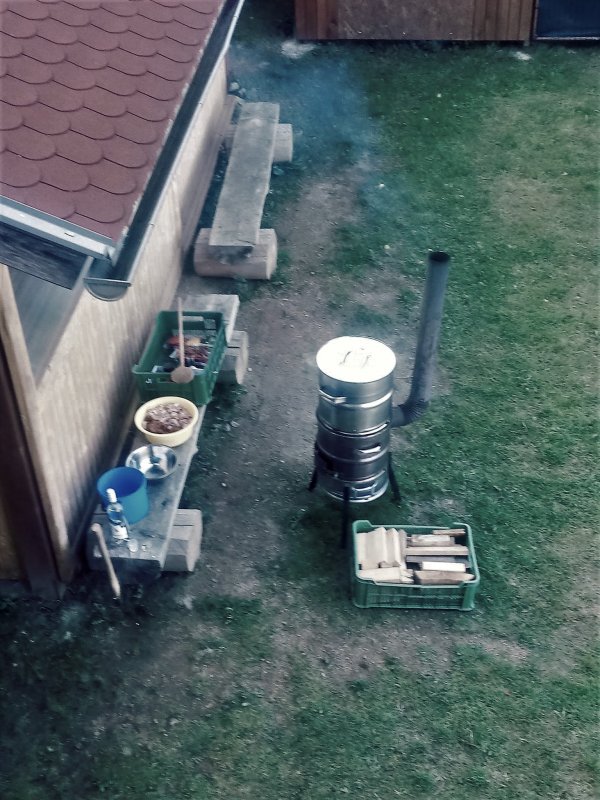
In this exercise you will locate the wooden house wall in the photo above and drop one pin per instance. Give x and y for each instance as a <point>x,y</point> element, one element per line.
<point>460,20</point>
<point>84,396</point>
<point>23,427</point>
<point>10,569</point>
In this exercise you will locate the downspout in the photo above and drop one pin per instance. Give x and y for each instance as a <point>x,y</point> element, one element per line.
<point>427,342</point>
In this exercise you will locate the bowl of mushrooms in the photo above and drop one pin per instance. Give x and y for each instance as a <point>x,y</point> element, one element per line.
<point>166,420</point>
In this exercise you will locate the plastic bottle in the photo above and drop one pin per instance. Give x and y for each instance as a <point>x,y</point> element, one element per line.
<point>116,516</point>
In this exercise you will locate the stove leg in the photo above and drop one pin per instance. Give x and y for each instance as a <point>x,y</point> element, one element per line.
<point>393,482</point>
<point>313,480</point>
<point>345,517</point>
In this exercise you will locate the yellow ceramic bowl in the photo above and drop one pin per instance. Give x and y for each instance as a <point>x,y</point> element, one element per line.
<point>168,439</point>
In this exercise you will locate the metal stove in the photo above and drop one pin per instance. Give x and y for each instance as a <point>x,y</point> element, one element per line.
<point>355,413</point>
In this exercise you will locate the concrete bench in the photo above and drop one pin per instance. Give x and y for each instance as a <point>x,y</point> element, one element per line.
<point>236,246</point>
<point>284,142</point>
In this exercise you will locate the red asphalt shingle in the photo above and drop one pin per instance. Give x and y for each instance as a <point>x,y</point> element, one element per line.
<point>88,91</point>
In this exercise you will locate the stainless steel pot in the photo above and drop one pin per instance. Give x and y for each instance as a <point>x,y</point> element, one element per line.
<point>354,413</point>
<point>351,418</point>
<point>363,491</point>
<point>354,370</point>
<point>360,446</point>
<point>352,469</point>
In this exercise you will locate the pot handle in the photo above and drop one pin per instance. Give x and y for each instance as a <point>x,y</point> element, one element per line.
<point>369,450</point>
<point>335,400</point>
<point>367,356</point>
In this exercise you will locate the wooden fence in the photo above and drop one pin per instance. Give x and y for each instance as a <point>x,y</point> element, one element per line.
<point>459,20</point>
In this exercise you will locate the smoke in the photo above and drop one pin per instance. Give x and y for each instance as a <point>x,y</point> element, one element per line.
<point>318,94</point>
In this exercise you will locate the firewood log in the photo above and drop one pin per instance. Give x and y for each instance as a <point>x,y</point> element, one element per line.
<point>387,575</point>
<point>431,578</point>
<point>451,550</point>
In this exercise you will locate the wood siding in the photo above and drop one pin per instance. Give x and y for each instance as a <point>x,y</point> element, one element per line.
<point>461,20</point>
<point>21,414</point>
<point>10,569</point>
<point>83,400</point>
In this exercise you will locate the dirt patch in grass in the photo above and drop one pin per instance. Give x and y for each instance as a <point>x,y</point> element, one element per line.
<point>511,651</point>
<point>324,204</point>
<point>529,202</point>
<point>570,640</point>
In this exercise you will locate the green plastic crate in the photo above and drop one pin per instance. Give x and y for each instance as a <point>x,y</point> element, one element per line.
<point>159,384</point>
<point>368,594</point>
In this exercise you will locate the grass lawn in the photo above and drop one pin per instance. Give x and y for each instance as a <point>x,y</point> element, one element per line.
<point>493,159</point>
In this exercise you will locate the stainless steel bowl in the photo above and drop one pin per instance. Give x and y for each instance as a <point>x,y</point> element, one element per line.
<point>153,460</point>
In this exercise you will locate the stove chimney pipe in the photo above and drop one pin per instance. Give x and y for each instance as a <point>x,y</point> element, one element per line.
<point>429,329</point>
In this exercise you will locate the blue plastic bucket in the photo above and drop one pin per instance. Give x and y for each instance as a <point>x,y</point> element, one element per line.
<point>131,489</point>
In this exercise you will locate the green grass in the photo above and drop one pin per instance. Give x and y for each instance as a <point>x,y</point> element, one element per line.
<point>517,210</point>
<point>162,702</point>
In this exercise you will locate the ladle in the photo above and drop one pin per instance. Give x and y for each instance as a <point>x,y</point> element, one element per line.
<point>181,374</point>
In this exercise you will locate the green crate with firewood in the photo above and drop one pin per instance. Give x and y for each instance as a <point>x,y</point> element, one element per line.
<point>408,566</point>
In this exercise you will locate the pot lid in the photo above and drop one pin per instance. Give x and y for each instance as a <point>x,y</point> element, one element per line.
<point>354,359</point>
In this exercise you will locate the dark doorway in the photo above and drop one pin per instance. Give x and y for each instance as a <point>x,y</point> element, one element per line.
<point>568,19</point>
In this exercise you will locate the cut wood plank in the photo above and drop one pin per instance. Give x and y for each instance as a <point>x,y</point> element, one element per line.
<point>403,539</point>
<point>418,560</point>
<point>372,546</point>
<point>235,361</point>
<point>259,265</point>
<point>449,532</point>
<point>443,566</point>
<point>451,550</point>
<point>283,151</point>
<point>427,578</point>
<point>360,550</point>
<point>236,225</point>
<point>394,549</point>
<point>387,575</point>
<point>430,540</point>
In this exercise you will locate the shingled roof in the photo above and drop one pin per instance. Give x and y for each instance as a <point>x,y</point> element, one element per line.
<point>88,93</point>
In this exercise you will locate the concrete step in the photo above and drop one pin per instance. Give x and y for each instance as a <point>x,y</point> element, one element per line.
<point>235,361</point>
<point>185,541</point>
<point>226,304</point>
<point>259,264</point>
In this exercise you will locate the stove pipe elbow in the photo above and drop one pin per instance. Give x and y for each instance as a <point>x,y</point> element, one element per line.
<point>427,342</point>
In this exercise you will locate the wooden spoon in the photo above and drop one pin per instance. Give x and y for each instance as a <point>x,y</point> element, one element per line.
<point>181,374</point>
